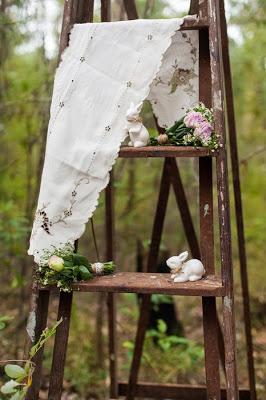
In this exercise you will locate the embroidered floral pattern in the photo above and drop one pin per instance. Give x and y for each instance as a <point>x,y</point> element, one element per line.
<point>41,216</point>
<point>182,77</point>
<point>44,221</point>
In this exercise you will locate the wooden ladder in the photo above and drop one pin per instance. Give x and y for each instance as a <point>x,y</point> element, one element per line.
<point>215,89</point>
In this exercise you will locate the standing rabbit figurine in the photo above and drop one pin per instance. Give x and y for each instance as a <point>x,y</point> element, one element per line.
<point>182,271</point>
<point>139,136</point>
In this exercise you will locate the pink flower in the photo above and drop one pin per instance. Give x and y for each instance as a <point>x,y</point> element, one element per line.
<point>204,131</point>
<point>193,119</point>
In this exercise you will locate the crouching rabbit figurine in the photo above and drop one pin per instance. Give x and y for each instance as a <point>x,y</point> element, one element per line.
<point>139,136</point>
<point>191,270</point>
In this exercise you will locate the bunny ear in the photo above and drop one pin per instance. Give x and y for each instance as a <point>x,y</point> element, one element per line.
<point>183,256</point>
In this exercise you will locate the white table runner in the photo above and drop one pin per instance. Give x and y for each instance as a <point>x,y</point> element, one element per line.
<point>105,68</point>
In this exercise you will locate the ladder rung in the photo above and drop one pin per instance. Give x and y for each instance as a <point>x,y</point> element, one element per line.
<point>194,23</point>
<point>165,151</point>
<point>175,391</point>
<point>150,283</point>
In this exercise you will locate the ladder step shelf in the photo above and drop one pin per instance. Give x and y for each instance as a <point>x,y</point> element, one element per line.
<point>165,151</point>
<point>192,23</point>
<point>175,391</point>
<point>149,283</point>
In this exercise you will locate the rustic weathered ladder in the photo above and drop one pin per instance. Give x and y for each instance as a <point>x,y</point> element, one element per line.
<point>215,88</point>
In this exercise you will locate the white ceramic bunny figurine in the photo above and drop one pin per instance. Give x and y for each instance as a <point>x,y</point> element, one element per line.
<point>139,136</point>
<point>182,271</point>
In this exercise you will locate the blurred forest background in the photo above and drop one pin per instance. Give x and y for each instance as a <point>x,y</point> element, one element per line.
<point>28,56</point>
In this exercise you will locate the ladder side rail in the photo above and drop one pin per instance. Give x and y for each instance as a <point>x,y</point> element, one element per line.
<point>40,299</point>
<point>237,200</point>
<point>111,297</point>
<point>60,346</point>
<point>131,9</point>
<point>85,11</point>
<point>211,327</point>
<point>110,255</point>
<point>69,14</point>
<point>70,17</point>
<point>223,200</point>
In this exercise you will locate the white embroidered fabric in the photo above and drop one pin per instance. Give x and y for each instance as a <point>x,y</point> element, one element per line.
<point>105,68</point>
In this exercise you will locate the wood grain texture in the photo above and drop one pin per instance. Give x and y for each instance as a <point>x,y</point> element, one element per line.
<point>215,42</point>
<point>165,151</point>
<point>111,297</point>
<point>210,319</point>
<point>194,24</point>
<point>238,200</point>
<point>148,283</point>
<point>41,312</point>
<point>176,391</point>
<point>60,346</point>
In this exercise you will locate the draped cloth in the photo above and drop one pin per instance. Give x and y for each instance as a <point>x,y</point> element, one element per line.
<point>106,67</point>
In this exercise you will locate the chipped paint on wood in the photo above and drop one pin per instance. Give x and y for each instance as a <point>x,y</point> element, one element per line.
<point>228,303</point>
<point>206,210</point>
<point>31,325</point>
<point>217,100</point>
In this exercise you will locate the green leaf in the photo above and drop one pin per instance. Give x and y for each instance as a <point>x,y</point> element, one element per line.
<point>15,371</point>
<point>84,273</point>
<point>17,396</point>
<point>80,260</point>
<point>164,344</point>
<point>128,345</point>
<point>46,334</point>
<point>2,325</point>
<point>3,320</point>
<point>179,340</point>
<point>9,387</point>
<point>162,327</point>
<point>68,264</point>
<point>76,270</point>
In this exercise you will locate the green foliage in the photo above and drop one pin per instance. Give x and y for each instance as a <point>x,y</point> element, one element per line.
<point>26,77</point>
<point>174,355</point>
<point>62,267</point>
<point>3,320</point>
<point>21,377</point>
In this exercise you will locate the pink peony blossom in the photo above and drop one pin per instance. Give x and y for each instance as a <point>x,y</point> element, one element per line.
<point>204,131</point>
<point>193,119</point>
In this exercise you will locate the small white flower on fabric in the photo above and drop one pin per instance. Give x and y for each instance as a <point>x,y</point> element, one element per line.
<point>56,263</point>
<point>97,268</point>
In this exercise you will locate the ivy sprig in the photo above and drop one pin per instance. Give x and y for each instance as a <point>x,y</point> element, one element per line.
<point>21,377</point>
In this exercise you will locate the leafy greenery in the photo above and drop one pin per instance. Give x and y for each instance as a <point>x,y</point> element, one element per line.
<point>177,355</point>
<point>62,267</point>
<point>21,377</point>
<point>3,320</point>
<point>26,78</point>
